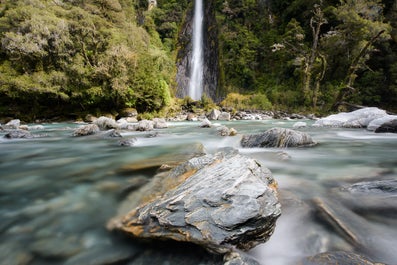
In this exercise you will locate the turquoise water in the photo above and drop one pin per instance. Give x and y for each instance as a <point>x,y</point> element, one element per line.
<point>58,192</point>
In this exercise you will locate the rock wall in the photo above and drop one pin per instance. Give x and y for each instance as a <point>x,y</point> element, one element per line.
<point>211,64</point>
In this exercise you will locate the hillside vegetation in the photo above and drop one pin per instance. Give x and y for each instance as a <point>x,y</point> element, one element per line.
<point>70,57</point>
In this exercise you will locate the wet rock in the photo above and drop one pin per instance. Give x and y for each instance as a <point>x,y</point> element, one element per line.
<point>388,127</point>
<point>356,119</point>
<point>205,123</point>
<point>277,137</point>
<point>18,134</point>
<point>239,258</point>
<point>105,123</point>
<point>232,132</point>
<point>223,131</point>
<point>159,123</point>
<point>217,201</point>
<point>104,255</point>
<point>127,142</point>
<point>384,187</point>
<point>338,257</point>
<point>214,114</point>
<point>376,123</point>
<point>85,130</point>
<point>12,125</point>
<point>362,234</point>
<point>145,125</point>
<point>13,254</point>
<point>224,116</point>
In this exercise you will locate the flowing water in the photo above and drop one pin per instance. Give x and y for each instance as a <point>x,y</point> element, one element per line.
<point>196,66</point>
<point>58,192</point>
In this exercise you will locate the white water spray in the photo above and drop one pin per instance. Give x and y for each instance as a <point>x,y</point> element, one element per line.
<point>196,65</point>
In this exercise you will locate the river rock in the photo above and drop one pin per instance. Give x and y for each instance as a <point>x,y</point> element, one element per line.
<point>299,124</point>
<point>218,201</point>
<point>12,124</point>
<point>224,116</point>
<point>85,130</point>
<point>338,257</point>
<point>18,134</point>
<point>159,123</point>
<point>277,137</point>
<point>145,125</point>
<point>205,123</point>
<point>214,114</point>
<point>223,131</point>
<point>127,142</point>
<point>376,123</point>
<point>105,123</point>
<point>356,119</point>
<point>388,127</point>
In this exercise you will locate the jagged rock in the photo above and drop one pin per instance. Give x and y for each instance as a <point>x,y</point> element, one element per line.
<point>277,137</point>
<point>214,114</point>
<point>356,119</point>
<point>85,130</point>
<point>18,134</point>
<point>12,124</point>
<point>218,201</point>
<point>224,116</point>
<point>376,123</point>
<point>159,123</point>
<point>338,257</point>
<point>105,123</point>
<point>388,127</point>
<point>238,258</point>
<point>145,125</point>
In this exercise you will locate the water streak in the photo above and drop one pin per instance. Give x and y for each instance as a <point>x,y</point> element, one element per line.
<point>196,65</point>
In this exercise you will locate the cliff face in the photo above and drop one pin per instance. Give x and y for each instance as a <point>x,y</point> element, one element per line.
<point>211,63</point>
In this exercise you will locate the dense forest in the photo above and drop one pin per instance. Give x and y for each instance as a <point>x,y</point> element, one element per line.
<point>70,57</point>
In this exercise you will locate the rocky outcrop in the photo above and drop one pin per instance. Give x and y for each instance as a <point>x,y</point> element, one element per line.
<point>356,119</point>
<point>218,201</point>
<point>18,134</point>
<point>277,137</point>
<point>12,125</point>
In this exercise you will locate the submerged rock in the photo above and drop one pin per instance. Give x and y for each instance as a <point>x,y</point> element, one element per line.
<point>356,119</point>
<point>277,137</point>
<point>217,201</point>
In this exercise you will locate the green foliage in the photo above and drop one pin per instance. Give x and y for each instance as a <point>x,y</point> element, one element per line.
<point>246,102</point>
<point>81,55</point>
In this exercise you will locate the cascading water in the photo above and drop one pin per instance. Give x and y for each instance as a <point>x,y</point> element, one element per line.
<point>196,65</point>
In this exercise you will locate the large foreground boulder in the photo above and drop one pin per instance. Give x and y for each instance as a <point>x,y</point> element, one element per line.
<point>277,137</point>
<point>217,201</point>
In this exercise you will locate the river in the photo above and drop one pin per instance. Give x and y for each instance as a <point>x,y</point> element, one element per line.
<point>57,193</point>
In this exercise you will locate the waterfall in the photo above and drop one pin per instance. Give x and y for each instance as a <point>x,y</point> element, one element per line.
<point>196,65</point>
